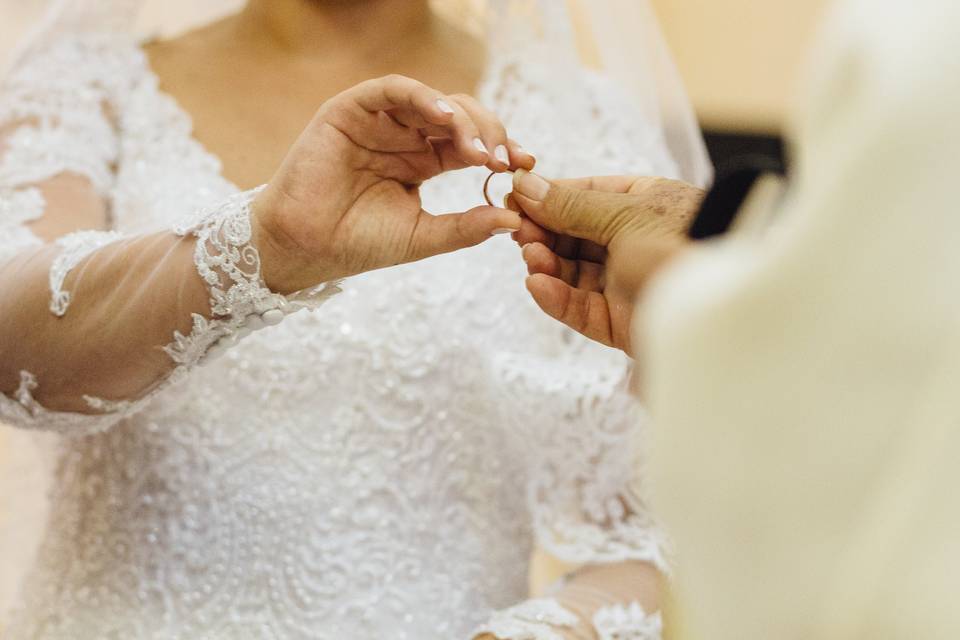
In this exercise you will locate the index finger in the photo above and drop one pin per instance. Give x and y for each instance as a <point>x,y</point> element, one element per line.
<point>395,91</point>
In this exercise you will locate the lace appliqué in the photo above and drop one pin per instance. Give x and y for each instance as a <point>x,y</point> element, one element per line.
<point>230,266</point>
<point>627,622</point>
<point>76,247</point>
<point>226,260</point>
<point>536,619</point>
<point>40,152</point>
<point>23,410</point>
<point>108,406</point>
<point>60,107</point>
<point>17,208</point>
<point>579,489</point>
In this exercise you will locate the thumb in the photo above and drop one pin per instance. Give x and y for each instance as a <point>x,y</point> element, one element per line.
<point>433,235</point>
<point>590,215</point>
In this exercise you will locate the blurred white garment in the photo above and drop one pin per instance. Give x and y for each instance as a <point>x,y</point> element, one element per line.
<point>806,384</point>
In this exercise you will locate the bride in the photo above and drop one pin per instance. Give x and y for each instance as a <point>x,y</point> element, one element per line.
<point>233,465</point>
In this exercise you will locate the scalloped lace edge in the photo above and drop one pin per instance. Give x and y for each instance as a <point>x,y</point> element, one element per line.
<point>535,619</point>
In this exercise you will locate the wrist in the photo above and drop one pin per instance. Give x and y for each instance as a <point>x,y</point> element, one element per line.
<point>284,265</point>
<point>231,265</point>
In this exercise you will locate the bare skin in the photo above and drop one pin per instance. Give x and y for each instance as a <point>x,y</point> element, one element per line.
<point>592,244</point>
<point>251,82</point>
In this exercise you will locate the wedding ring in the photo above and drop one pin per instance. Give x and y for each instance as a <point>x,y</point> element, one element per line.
<point>486,187</point>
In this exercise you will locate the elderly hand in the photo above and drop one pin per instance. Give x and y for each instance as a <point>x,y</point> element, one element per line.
<point>591,244</point>
<point>346,198</point>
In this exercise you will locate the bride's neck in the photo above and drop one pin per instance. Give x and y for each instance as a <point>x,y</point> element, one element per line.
<point>323,27</point>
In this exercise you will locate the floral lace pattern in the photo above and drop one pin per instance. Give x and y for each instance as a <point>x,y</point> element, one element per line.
<point>74,248</point>
<point>239,301</point>
<point>353,473</point>
<point>63,121</point>
<point>536,619</point>
<point>627,622</point>
<point>230,266</point>
<point>23,410</point>
<point>18,207</point>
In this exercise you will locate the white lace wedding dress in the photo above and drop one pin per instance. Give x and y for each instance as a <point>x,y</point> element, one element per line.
<point>380,467</point>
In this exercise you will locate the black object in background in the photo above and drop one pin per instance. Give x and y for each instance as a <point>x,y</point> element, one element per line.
<point>725,148</point>
<point>739,160</point>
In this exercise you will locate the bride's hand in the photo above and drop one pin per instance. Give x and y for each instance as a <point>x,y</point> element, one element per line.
<point>346,198</point>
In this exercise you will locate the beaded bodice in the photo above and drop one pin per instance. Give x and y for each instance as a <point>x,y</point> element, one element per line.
<point>380,467</point>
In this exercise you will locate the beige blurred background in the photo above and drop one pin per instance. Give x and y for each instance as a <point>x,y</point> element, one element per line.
<point>739,58</point>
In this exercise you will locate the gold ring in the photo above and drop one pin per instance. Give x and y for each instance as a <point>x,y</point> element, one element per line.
<point>486,187</point>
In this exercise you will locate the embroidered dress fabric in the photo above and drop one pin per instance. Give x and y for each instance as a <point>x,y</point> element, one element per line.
<point>380,466</point>
<point>129,295</point>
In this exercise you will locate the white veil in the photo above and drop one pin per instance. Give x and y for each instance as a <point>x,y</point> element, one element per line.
<point>621,37</point>
<point>633,51</point>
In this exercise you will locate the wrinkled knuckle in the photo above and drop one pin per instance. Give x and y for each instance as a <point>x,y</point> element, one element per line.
<point>576,203</point>
<point>557,200</point>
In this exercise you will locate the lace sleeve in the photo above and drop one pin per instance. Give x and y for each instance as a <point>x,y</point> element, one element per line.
<point>96,323</point>
<point>57,143</point>
<point>583,431</point>
<point>125,318</point>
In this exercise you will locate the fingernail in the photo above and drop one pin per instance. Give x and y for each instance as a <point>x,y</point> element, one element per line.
<point>478,143</point>
<point>531,185</point>
<point>502,155</point>
<point>501,231</point>
<point>444,106</point>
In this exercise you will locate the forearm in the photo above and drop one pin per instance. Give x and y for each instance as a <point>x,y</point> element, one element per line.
<point>121,306</point>
<point>595,589</point>
<point>96,322</point>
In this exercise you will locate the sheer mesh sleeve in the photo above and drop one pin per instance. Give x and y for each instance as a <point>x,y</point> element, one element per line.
<point>96,323</point>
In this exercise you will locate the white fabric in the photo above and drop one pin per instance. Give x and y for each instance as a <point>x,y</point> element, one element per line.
<point>627,622</point>
<point>377,468</point>
<point>634,53</point>
<point>805,383</point>
<point>535,619</point>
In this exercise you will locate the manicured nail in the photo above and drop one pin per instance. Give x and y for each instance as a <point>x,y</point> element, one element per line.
<point>502,155</point>
<point>444,106</point>
<point>478,143</point>
<point>531,185</point>
<point>502,230</point>
<point>525,152</point>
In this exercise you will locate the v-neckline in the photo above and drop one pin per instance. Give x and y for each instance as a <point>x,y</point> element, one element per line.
<point>181,113</point>
<point>201,149</point>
